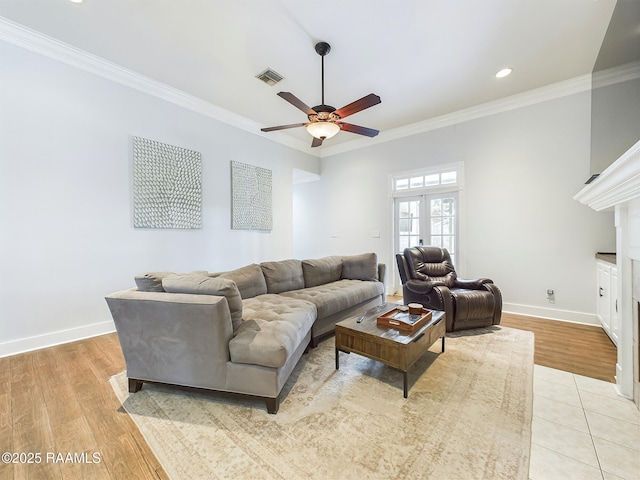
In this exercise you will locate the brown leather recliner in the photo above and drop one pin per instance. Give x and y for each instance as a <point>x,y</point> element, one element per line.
<point>428,277</point>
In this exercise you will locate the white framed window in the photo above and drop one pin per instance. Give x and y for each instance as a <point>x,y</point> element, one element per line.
<point>443,177</point>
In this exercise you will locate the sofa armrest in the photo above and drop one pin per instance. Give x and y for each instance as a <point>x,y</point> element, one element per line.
<point>382,276</point>
<point>175,338</point>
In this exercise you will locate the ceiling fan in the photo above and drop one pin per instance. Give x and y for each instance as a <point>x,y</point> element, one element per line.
<point>324,120</point>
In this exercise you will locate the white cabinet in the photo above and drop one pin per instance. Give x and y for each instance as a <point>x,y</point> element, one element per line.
<point>607,306</point>
<point>615,318</point>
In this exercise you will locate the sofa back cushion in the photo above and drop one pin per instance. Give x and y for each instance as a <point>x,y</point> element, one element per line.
<point>202,284</point>
<point>283,276</point>
<point>321,271</point>
<point>360,267</point>
<point>249,279</point>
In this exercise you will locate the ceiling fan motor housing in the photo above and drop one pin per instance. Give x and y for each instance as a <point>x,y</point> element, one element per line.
<point>324,113</point>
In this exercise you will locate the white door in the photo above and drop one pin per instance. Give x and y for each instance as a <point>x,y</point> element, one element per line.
<point>614,320</point>
<point>427,220</point>
<point>408,220</point>
<point>442,223</point>
<point>604,297</point>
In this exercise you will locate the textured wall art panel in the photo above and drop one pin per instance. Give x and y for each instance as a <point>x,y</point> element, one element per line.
<point>251,197</point>
<point>167,186</point>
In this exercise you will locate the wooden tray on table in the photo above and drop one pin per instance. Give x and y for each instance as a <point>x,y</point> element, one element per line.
<point>403,320</point>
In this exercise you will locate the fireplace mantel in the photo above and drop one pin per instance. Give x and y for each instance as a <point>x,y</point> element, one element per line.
<point>618,189</point>
<point>619,183</point>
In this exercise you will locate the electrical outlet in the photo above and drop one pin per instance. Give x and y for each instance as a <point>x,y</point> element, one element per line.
<point>551,295</point>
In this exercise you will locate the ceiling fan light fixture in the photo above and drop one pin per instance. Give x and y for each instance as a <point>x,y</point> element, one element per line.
<point>324,120</point>
<point>323,129</point>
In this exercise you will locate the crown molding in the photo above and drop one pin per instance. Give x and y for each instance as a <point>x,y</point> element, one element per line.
<point>621,73</point>
<point>42,44</point>
<point>530,97</point>
<point>37,42</point>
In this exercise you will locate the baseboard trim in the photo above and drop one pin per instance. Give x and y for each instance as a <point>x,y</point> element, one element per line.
<point>552,314</point>
<point>55,338</point>
<point>619,386</point>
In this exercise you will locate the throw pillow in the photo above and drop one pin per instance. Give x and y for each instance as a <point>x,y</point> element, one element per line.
<point>249,279</point>
<point>360,267</point>
<point>151,281</point>
<point>321,271</point>
<point>283,276</point>
<point>202,284</point>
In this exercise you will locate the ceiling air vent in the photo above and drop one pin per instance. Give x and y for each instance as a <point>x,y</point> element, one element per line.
<point>270,77</point>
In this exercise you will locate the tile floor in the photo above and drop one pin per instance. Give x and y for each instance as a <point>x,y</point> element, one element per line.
<point>582,429</point>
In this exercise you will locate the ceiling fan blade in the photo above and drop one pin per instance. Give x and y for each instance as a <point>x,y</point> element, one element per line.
<point>296,102</point>
<point>349,127</point>
<point>359,105</point>
<point>316,142</point>
<point>282,127</point>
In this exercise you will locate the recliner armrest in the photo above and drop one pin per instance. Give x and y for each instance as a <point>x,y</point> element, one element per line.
<point>475,284</point>
<point>422,286</point>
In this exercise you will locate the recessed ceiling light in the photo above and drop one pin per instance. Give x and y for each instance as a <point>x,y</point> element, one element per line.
<point>504,72</point>
<point>76,1</point>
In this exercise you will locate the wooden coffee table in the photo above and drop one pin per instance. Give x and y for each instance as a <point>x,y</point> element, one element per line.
<point>392,347</point>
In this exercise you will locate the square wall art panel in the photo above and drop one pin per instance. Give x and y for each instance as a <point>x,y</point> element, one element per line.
<point>167,186</point>
<point>251,202</point>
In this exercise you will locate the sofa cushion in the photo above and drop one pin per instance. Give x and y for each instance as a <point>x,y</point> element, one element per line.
<point>151,281</point>
<point>249,279</point>
<point>337,296</point>
<point>273,328</point>
<point>360,267</point>
<point>283,276</point>
<point>321,271</point>
<point>202,284</point>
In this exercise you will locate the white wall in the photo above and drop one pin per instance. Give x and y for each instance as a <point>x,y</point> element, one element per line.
<point>615,119</point>
<point>521,226</point>
<point>65,200</point>
<point>66,238</point>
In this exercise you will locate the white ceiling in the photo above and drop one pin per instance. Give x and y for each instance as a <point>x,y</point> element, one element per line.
<point>424,58</point>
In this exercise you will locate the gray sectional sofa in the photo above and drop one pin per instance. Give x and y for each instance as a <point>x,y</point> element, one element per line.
<point>241,331</point>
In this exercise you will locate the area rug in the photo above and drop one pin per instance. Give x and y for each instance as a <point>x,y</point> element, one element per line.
<point>468,415</point>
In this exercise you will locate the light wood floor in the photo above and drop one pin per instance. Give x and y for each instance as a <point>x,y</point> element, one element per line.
<point>59,400</point>
<point>582,349</point>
